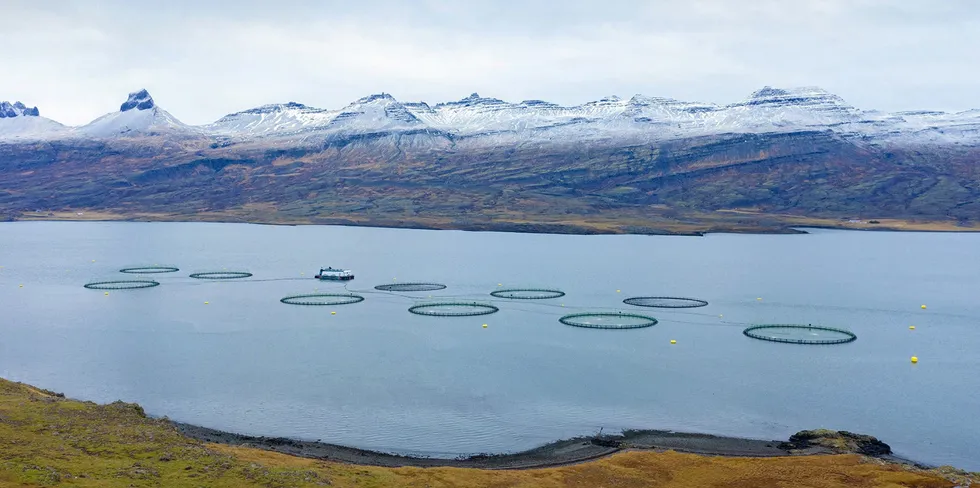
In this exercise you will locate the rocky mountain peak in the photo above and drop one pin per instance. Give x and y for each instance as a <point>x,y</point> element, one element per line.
<point>140,100</point>
<point>474,100</point>
<point>808,96</point>
<point>768,92</point>
<point>382,97</point>
<point>16,109</point>
<point>274,108</point>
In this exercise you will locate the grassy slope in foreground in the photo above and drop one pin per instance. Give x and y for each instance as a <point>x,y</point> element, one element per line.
<point>46,440</point>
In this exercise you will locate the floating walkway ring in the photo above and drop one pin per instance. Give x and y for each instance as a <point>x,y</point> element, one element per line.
<point>453,309</point>
<point>411,287</point>
<point>322,299</point>
<point>799,334</point>
<point>150,270</point>
<point>665,302</point>
<point>121,285</point>
<point>221,275</point>
<point>528,293</point>
<point>608,320</point>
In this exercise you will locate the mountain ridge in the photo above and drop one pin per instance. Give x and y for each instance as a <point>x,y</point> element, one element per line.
<point>640,164</point>
<point>765,110</point>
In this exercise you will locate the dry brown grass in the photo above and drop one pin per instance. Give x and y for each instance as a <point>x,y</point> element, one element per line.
<point>631,469</point>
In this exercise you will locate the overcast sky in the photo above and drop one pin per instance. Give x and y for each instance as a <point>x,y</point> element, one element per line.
<point>77,60</point>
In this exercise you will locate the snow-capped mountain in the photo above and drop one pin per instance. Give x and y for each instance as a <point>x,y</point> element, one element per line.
<point>643,162</point>
<point>282,119</point>
<point>17,121</point>
<point>371,114</point>
<point>490,121</point>
<point>375,113</point>
<point>774,109</point>
<point>137,116</point>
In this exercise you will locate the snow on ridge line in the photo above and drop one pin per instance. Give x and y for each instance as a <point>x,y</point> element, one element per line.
<point>765,110</point>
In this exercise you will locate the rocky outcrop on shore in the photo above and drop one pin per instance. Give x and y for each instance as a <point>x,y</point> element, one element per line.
<point>842,442</point>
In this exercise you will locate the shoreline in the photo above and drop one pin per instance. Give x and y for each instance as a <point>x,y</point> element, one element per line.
<point>49,439</point>
<point>562,452</point>
<point>779,225</point>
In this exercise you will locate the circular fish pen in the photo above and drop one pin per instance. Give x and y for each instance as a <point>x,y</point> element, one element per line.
<point>800,334</point>
<point>409,287</point>
<point>528,293</point>
<point>608,320</point>
<point>665,302</point>
<point>149,270</point>
<point>221,275</point>
<point>121,285</point>
<point>322,299</point>
<point>453,309</point>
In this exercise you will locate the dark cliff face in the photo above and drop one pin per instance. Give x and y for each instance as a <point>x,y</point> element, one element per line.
<point>17,109</point>
<point>140,100</point>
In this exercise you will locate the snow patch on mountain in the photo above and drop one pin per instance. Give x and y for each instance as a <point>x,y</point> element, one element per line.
<point>273,119</point>
<point>137,116</point>
<point>31,128</point>
<point>20,122</point>
<point>374,113</point>
<point>638,119</point>
<point>777,109</point>
<point>486,121</point>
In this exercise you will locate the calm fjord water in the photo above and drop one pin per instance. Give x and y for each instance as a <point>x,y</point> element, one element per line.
<point>375,376</point>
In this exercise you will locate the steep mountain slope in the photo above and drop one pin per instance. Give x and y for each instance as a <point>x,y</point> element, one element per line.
<point>18,122</point>
<point>270,120</point>
<point>137,116</point>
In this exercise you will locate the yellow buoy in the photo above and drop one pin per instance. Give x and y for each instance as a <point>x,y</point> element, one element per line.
<point>911,327</point>
<point>500,284</point>
<point>923,307</point>
<point>93,260</point>
<point>760,298</point>
<point>673,341</point>
<point>484,326</point>
<point>106,293</point>
<point>720,316</point>
<point>206,303</point>
<point>915,359</point>
<point>333,313</point>
<point>21,286</point>
<point>617,291</point>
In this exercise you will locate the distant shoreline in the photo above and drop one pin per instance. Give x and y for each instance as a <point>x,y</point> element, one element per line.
<point>726,224</point>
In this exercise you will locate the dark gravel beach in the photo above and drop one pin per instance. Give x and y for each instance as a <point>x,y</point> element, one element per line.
<point>557,453</point>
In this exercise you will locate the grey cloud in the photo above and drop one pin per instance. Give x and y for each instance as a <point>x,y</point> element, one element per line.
<point>78,59</point>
